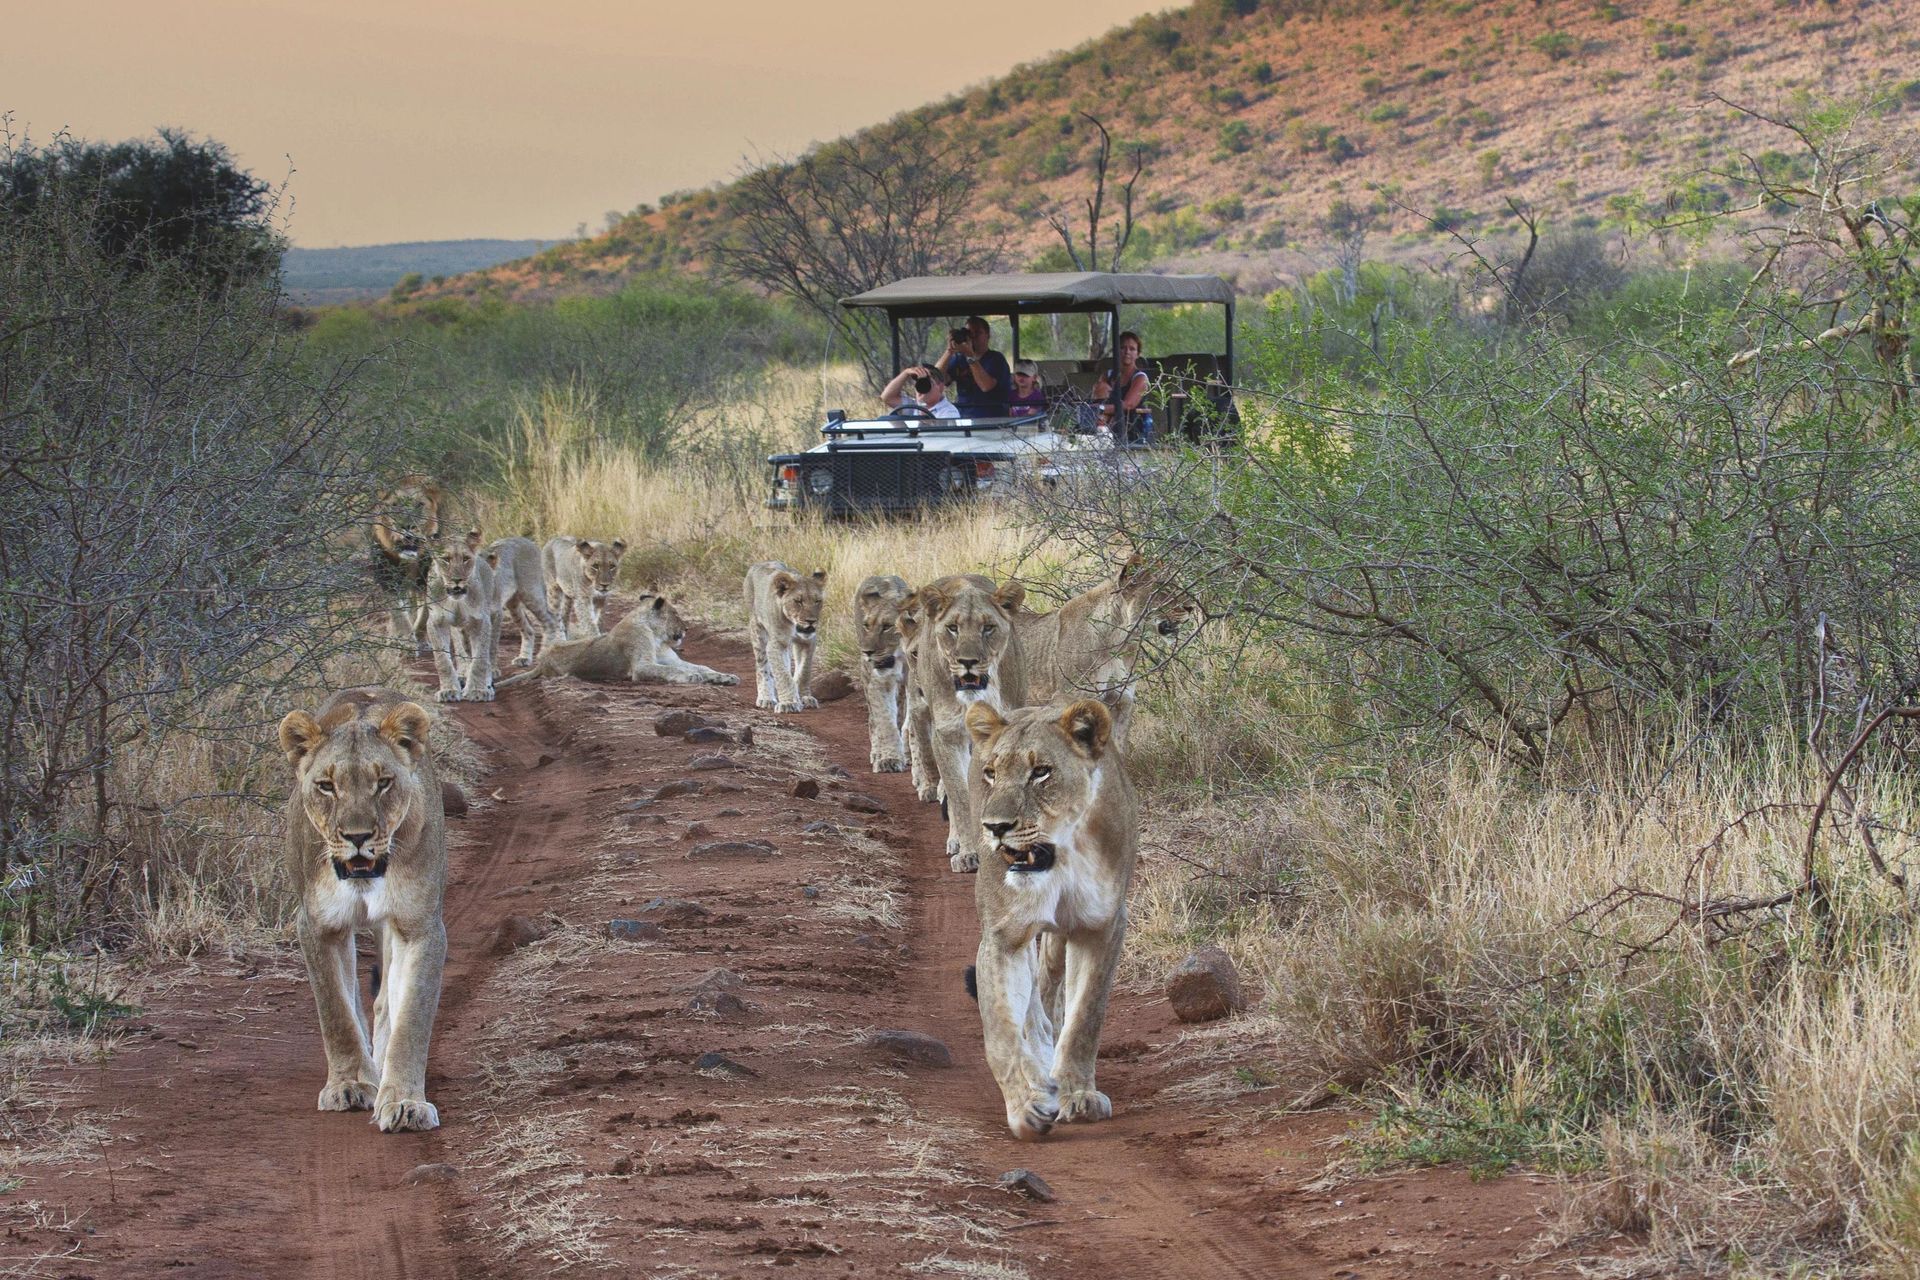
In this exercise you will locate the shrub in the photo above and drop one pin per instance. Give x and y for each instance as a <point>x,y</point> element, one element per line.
<point>1387,111</point>
<point>1556,45</point>
<point>1371,86</point>
<point>175,487</point>
<point>1236,136</point>
<point>1226,209</point>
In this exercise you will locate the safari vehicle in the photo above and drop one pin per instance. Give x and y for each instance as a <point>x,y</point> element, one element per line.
<point>889,463</point>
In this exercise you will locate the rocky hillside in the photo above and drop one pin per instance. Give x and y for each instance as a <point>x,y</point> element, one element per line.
<point>1258,119</point>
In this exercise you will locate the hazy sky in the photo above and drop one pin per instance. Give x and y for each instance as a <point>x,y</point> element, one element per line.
<point>422,120</point>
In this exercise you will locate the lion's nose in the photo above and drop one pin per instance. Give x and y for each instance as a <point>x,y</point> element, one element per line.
<point>997,829</point>
<point>358,839</point>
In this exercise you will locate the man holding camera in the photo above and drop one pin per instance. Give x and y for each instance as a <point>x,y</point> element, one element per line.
<point>929,399</point>
<point>980,376</point>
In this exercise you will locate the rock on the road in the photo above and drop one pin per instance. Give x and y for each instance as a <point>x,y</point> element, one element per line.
<point>673,910</point>
<point>912,1046</point>
<point>719,849</point>
<point>677,723</point>
<point>1204,986</point>
<point>453,800</point>
<point>423,1174</point>
<point>515,932</point>
<point>831,686</point>
<point>1027,1183</point>
<point>634,931</point>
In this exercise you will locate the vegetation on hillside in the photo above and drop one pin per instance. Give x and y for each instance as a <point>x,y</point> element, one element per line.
<point>1258,121</point>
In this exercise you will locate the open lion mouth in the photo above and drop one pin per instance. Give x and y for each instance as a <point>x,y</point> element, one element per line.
<point>1035,857</point>
<point>971,682</point>
<point>884,664</point>
<point>360,867</point>
<point>456,591</point>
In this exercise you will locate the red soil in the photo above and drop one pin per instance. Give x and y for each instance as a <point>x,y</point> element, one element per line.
<point>582,1130</point>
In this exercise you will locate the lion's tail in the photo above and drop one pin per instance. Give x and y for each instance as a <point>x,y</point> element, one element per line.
<point>513,680</point>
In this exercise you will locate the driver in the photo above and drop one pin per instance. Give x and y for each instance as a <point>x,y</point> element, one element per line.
<point>929,393</point>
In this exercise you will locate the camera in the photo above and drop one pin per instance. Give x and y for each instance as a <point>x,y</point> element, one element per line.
<point>960,337</point>
<point>923,384</point>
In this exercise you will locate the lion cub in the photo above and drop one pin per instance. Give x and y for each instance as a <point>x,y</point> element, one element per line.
<point>463,616</point>
<point>783,621</point>
<point>367,848</point>
<point>877,604</point>
<point>642,647</point>
<point>580,575</point>
<point>1061,824</point>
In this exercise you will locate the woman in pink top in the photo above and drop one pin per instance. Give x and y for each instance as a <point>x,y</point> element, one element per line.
<point>1133,383</point>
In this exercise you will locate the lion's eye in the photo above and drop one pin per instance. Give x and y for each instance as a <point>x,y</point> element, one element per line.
<point>987,629</point>
<point>324,787</point>
<point>953,629</point>
<point>383,784</point>
<point>987,773</point>
<point>1040,774</point>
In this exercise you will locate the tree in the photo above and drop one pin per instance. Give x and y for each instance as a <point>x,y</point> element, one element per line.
<point>176,200</point>
<point>1095,206</point>
<point>851,216</point>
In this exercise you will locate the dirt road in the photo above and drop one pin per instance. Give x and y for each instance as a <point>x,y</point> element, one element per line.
<point>659,1052</point>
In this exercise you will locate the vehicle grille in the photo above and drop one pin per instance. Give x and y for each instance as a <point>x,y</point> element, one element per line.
<point>878,480</point>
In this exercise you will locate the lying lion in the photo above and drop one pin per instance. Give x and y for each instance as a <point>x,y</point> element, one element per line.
<point>367,849</point>
<point>642,647</point>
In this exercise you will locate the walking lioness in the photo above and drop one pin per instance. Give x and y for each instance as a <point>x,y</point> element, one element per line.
<point>1061,824</point>
<point>783,622</point>
<point>883,669</point>
<point>367,848</point>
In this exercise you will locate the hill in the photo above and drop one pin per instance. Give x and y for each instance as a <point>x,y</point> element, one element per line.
<point>363,271</point>
<point>1256,118</point>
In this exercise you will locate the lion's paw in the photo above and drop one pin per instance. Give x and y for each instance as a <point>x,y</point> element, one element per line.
<point>1085,1106</point>
<point>406,1115</point>
<point>788,706</point>
<point>927,792</point>
<point>479,695</point>
<point>810,703</point>
<point>1032,1118</point>
<point>523,662</point>
<point>422,650</point>
<point>765,704</point>
<point>723,677</point>
<point>889,764</point>
<point>347,1095</point>
<point>964,862</point>
<point>448,695</point>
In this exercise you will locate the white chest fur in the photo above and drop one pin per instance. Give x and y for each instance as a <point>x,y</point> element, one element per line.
<point>349,904</point>
<point>1070,895</point>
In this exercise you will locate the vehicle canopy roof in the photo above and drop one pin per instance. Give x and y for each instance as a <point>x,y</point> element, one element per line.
<point>1038,293</point>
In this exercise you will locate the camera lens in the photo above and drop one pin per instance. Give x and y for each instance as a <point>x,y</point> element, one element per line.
<point>923,385</point>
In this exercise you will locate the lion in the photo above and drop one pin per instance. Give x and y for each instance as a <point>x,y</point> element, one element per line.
<point>919,715</point>
<point>1091,644</point>
<point>402,552</point>
<point>883,668</point>
<point>1061,824</point>
<point>520,592</point>
<point>463,615</point>
<point>367,849</point>
<point>969,653</point>
<point>580,574</point>
<point>642,647</point>
<point>783,621</point>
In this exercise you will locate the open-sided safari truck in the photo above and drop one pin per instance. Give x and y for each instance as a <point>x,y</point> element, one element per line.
<point>886,462</point>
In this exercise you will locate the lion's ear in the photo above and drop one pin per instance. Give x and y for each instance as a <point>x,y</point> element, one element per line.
<point>983,722</point>
<point>583,548</point>
<point>473,539</point>
<point>300,736</point>
<point>493,557</point>
<point>819,575</point>
<point>1131,569</point>
<point>931,603</point>
<point>619,546</point>
<point>784,582</point>
<point>1011,595</point>
<point>659,604</point>
<point>406,728</point>
<point>1090,725</point>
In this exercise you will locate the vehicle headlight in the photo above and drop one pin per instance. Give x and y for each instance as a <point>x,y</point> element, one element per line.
<point>819,482</point>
